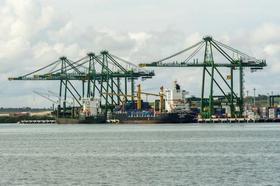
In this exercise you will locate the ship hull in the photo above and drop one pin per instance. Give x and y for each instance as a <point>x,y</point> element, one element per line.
<point>133,119</point>
<point>87,120</point>
<point>156,119</point>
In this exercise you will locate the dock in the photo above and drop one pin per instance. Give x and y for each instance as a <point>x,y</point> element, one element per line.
<point>226,120</point>
<point>37,122</point>
<point>237,120</point>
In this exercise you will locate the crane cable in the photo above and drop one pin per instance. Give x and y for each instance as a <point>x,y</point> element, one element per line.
<point>180,52</point>
<point>40,69</point>
<point>236,51</point>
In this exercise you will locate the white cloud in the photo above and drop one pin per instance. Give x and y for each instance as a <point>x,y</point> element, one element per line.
<point>33,34</point>
<point>193,38</point>
<point>267,33</point>
<point>14,48</point>
<point>272,49</point>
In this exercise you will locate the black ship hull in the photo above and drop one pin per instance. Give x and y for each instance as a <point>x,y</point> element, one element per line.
<point>176,117</point>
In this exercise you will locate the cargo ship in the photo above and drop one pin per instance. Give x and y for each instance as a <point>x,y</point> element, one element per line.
<point>172,107</point>
<point>89,113</point>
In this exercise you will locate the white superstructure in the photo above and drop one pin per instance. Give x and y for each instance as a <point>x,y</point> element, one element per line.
<point>175,99</point>
<point>91,106</point>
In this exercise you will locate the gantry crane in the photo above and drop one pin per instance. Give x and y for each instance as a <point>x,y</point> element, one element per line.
<point>89,77</point>
<point>201,55</point>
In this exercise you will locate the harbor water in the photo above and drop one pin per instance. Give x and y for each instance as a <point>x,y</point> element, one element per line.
<point>212,154</point>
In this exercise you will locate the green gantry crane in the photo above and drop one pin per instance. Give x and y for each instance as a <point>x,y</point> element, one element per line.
<point>89,77</point>
<point>232,59</point>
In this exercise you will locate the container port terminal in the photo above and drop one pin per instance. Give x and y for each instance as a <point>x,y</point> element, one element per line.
<point>101,88</point>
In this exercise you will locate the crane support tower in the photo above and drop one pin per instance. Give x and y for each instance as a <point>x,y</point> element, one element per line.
<point>215,59</point>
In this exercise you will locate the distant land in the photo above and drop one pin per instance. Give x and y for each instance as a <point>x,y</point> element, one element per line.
<point>14,115</point>
<point>23,109</point>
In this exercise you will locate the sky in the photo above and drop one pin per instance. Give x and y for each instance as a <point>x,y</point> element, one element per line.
<point>35,33</point>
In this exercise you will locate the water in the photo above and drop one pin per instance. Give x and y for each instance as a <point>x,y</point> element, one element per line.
<point>247,154</point>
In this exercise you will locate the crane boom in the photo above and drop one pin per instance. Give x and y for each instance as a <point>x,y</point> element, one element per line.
<point>208,47</point>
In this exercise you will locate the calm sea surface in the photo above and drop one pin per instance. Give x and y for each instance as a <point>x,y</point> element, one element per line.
<point>247,154</point>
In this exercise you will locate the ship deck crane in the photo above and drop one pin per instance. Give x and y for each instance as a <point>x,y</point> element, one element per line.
<point>232,59</point>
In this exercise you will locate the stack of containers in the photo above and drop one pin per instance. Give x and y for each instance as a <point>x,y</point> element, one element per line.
<point>219,112</point>
<point>145,105</point>
<point>278,112</point>
<point>272,113</point>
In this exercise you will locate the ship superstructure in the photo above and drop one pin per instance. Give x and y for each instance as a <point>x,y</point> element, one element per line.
<point>175,99</point>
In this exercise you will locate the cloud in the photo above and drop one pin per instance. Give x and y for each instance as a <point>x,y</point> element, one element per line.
<point>266,33</point>
<point>272,49</point>
<point>193,38</point>
<point>34,33</point>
